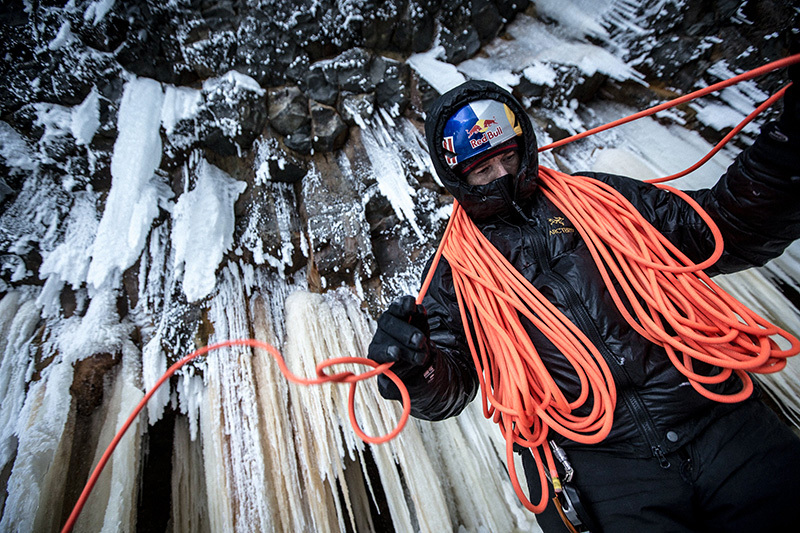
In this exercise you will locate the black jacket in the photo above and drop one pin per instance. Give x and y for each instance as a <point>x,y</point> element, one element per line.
<point>755,205</point>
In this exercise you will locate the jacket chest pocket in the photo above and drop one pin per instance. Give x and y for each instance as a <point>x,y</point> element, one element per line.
<point>560,236</point>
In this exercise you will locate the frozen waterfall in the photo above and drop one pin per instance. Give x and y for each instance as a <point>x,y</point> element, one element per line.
<point>110,279</point>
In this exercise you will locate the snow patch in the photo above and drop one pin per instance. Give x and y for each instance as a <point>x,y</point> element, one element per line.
<point>231,82</point>
<point>590,59</point>
<point>68,262</point>
<point>85,118</point>
<point>578,16</point>
<point>540,74</point>
<point>63,38</point>
<point>440,75</point>
<point>180,103</point>
<point>14,150</point>
<point>622,161</point>
<point>98,331</point>
<point>97,10</point>
<point>202,229</point>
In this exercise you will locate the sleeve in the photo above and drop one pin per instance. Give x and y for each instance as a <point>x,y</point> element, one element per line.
<point>755,204</point>
<point>449,383</point>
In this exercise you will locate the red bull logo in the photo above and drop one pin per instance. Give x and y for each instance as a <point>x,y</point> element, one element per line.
<point>486,137</point>
<point>481,126</point>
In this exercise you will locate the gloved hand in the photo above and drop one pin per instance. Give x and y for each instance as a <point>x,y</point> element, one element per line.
<point>402,337</point>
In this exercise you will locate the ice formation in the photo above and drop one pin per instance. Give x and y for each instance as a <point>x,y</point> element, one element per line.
<point>136,190</point>
<point>202,228</point>
<point>388,170</point>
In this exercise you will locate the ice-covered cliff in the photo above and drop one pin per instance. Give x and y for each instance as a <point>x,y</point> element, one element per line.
<point>184,172</point>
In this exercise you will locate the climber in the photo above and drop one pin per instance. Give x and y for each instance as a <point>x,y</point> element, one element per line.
<point>674,460</point>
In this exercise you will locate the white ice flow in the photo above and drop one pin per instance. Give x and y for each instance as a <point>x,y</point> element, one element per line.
<point>202,228</point>
<point>136,189</point>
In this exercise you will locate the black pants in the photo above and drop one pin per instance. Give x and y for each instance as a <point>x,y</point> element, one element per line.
<point>742,474</point>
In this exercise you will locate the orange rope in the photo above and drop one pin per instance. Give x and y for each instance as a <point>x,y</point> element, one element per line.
<point>661,284</point>
<point>750,74</point>
<point>711,326</point>
<point>518,392</point>
<point>322,377</point>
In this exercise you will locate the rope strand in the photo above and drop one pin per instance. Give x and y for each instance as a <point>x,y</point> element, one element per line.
<point>322,377</point>
<point>662,285</point>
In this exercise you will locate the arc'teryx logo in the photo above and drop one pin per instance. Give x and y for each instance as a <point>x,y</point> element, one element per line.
<point>562,227</point>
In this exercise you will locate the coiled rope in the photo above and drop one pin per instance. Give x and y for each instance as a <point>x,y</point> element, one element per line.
<point>517,390</point>
<point>662,285</point>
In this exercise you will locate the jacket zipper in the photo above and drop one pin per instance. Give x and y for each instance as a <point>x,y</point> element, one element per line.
<point>632,400</point>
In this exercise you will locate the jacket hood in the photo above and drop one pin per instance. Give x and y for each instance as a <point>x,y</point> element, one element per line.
<point>481,202</point>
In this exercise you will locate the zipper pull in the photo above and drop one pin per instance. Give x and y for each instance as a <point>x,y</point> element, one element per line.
<point>520,212</point>
<point>662,459</point>
<point>513,203</point>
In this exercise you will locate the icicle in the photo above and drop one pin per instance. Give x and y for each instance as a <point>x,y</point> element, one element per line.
<point>136,191</point>
<point>112,504</point>
<point>98,331</point>
<point>120,513</point>
<point>154,364</point>
<point>316,411</point>
<point>377,416</point>
<point>234,452</point>
<point>191,396</point>
<point>387,168</point>
<point>38,477</point>
<point>19,320</point>
<point>470,452</point>
<point>85,118</point>
<point>325,327</point>
<point>220,497</point>
<point>206,210</point>
<point>189,495</point>
<point>276,426</point>
<point>180,103</point>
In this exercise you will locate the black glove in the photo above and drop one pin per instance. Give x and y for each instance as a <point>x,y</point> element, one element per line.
<point>402,337</point>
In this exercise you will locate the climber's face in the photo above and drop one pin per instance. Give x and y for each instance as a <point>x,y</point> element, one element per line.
<point>495,167</point>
